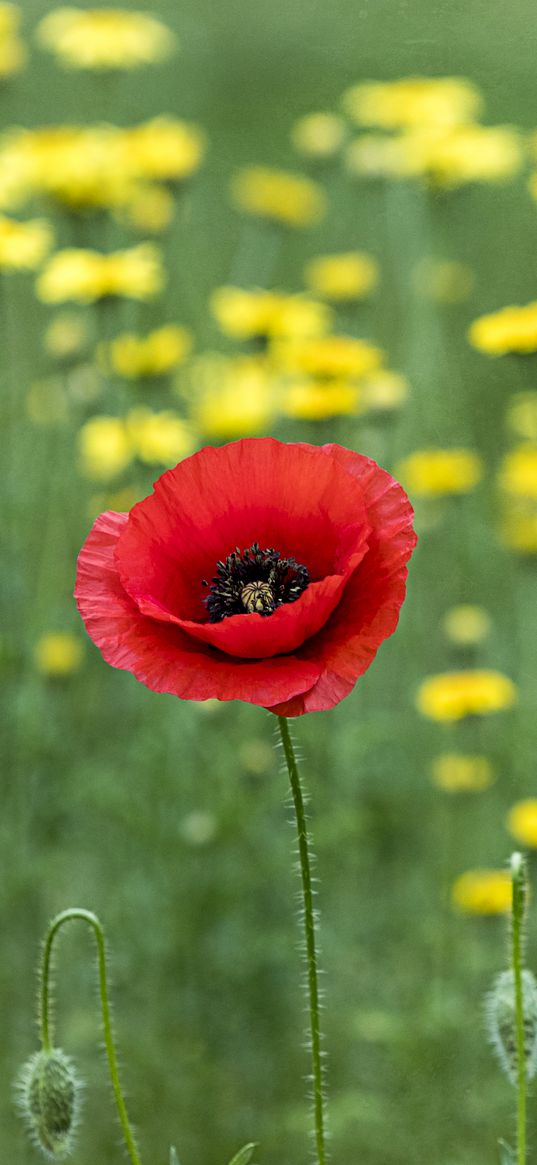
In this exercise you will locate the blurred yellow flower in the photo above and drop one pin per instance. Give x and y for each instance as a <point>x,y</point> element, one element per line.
<point>164,149</point>
<point>318,135</point>
<point>328,357</point>
<point>453,695</point>
<point>413,101</point>
<point>105,38</point>
<point>466,625</point>
<point>156,354</point>
<point>518,472</point>
<point>511,329</point>
<point>522,822</point>
<point>12,50</point>
<point>444,280</point>
<point>314,400</point>
<point>233,396</point>
<point>473,153</point>
<point>58,654</point>
<point>104,448</point>
<point>519,530</point>
<point>66,336</point>
<point>455,772</point>
<point>120,500</point>
<point>290,199</point>
<point>522,415</point>
<point>80,167</point>
<point>383,391</point>
<point>483,892</point>
<point>257,314</point>
<point>161,438</point>
<point>378,156</point>
<point>149,208</point>
<point>85,275</point>
<point>346,276</point>
<point>436,472</point>
<point>23,245</point>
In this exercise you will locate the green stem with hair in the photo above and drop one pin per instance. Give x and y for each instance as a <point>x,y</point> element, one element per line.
<point>518,905</point>
<point>45,1016</point>
<point>304,850</point>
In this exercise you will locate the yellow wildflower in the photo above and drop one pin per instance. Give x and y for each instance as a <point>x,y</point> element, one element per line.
<point>346,276</point>
<point>58,654</point>
<point>328,357</point>
<point>318,135</point>
<point>233,396</point>
<point>383,391</point>
<point>291,199</point>
<point>149,208</point>
<point>511,329</point>
<point>436,472</point>
<point>314,400</point>
<point>483,892</point>
<point>161,438</point>
<point>156,354</point>
<point>66,336</point>
<point>444,280</point>
<point>255,314</point>
<point>473,153</point>
<point>454,772</point>
<point>522,822</point>
<point>164,149</point>
<point>378,156</point>
<point>413,101</point>
<point>522,415</point>
<point>79,167</point>
<point>104,448</point>
<point>466,625</point>
<point>105,38</point>
<point>518,472</point>
<point>23,245</point>
<point>85,275</point>
<point>453,695</point>
<point>12,50</point>
<point>519,530</point>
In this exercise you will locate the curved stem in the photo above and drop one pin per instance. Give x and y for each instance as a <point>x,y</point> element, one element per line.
<point>304,851</point>
<point>46,1019</point>
<point>519,889</point>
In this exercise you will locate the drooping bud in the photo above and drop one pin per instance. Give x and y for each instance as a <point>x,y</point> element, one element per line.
<point>501,1022</point>
<point>49,1101</point>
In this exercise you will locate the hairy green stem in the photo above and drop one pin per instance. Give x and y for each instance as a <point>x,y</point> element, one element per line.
<point>519,893</point>
<point>46,1019</point>
<point>304,851</point>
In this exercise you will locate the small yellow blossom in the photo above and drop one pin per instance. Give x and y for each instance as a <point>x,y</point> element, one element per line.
<point>290,199</point>
<point>58,654</point>
<point>453,695</point>
<point>378,156</point>
<point>346,276</point>
<point>318,135</point>
<point>79,167</point>
<point>104,447</point>
<point>245,315</point>
<point>518,472</point>
<point>437,472</point>
<point>156,354</point>
<point>519,530</point>
<point>161,438</point>
<point>314,400</point>
<point>164,149</point>
<point>383,391</point>
<point>466,625</point>
<point>85,276</point>
<point>473,153</point>
<point>455,772</point>
<point>522,822</point>
<point>149,209</point>
<point>23,245</point>
<point>444,280</point>
<point>511,329</point>
<point>328,357</point>
<point>483,892</point>
<point>232,396</point>
<point>105,38</point>
<point>413,102</point>
<point>66,336</point>
<point>12,50</point>
<point>522,415</point>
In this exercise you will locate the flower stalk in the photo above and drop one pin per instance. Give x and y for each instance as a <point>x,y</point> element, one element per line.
<point>517,956</point>
<point>304,850</point>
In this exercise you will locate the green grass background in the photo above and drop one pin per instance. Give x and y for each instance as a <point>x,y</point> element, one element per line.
<point>102,777</point>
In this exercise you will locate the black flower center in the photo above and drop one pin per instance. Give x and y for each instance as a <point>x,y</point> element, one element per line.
<point>254,581</point>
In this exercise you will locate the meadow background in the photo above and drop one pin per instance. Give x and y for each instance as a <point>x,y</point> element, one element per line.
<point>169,820</point>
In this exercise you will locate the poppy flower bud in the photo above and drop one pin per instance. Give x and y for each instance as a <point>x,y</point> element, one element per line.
<point>49,1099</point>
<point>501,1023</point>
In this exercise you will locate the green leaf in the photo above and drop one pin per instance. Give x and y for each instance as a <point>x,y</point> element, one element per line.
<point>244,1155</point>
<point>507,1155</point>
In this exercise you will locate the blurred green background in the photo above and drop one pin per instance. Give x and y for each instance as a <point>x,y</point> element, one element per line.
<point>170,820</point>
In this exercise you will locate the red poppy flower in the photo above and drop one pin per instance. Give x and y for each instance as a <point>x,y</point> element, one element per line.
<point>256,571</point>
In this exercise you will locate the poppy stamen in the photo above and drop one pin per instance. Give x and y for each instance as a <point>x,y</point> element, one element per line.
<point>254,581</point>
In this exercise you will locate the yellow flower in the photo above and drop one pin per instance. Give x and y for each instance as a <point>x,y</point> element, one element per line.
<point>79,167</point>
<point>12,50</point>
<point>413,101</point>
<point>454,772</point>
<point>444,280</point>
<point>149,208</point>
<point>466,625</point>
<point>383,391</point>
<point>376,156</point>
<point>453,695</point>
<point>233,396</point>
<point>328,357</point>
<point>23,245</point>
<point>291,199</point>
<point>519,531</point>
<point>153,355</point>
<point>522,415</point>
<point>164,149</point>
<point>58,654</point>
<point>518,472</point>
<point>313,400</point>
<point>522,822</point>
<point>245,315</point>
<point>159,438</point>
<point>105,38</point>
<point>66,336</point>
<point>511,329</point>
<point>436,472</point>
<point>85,275</point>
<point>483,892</point>
<point>346,276</point>
<point>318,135</point>
<point>473,153</point>
<point>104,448</point>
